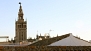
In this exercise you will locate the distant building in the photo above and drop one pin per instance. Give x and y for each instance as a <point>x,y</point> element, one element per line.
<point>42,37</point>
<point>20,27</point>
<point>64,40</point>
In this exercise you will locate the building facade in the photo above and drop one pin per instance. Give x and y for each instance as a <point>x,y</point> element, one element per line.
<point>42,37</point>
<point>20,27</point>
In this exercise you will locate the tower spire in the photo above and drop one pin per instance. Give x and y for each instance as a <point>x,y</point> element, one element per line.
<point>20,5</point>
<point>20,13</point>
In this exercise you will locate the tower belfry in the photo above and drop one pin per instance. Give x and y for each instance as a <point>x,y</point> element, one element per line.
<point>20,27</point>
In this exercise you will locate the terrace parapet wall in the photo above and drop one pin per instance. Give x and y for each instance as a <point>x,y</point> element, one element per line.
<point>45,48</point>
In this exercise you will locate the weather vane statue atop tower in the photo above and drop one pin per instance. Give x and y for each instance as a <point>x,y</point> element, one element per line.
<point>20,3</point>
<point>20,13</point>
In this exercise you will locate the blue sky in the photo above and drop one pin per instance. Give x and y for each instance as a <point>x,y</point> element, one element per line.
<point>61,16</point>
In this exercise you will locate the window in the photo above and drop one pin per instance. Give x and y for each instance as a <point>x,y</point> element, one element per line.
<point>24,26</point>
<point>18,26</point>
<point>20,17</point>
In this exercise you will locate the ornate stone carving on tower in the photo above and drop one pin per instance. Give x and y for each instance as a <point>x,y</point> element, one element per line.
<point>20,27</point>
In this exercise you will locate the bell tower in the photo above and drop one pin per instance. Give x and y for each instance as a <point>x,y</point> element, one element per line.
<point>20,27</point>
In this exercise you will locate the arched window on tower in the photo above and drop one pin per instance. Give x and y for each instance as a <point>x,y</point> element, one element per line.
<point>20,17</point>
<point>24,26</point>
<point>18,26</point>
<point>22,35</point>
